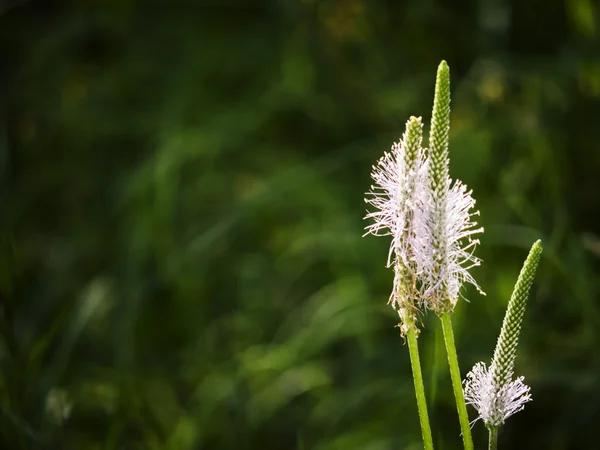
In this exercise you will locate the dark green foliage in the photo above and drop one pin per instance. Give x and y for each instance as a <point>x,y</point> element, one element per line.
<point>181,204</point>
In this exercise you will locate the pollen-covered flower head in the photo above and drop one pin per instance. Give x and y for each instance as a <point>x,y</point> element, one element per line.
<point>397,196</point>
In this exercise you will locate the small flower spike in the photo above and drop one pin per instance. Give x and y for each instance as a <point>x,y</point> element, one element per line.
<point>398,194</point>
<point>491,390</point>
<point>447,248</point>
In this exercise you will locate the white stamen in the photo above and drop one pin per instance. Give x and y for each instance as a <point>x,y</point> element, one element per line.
<point>494,404</point>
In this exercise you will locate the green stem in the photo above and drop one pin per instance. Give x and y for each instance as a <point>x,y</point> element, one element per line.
<point>415,362</point>
<point>456,381</point>
<point>493,438</point>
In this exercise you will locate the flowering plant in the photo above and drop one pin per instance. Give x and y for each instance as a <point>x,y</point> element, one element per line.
<point>431,221</point>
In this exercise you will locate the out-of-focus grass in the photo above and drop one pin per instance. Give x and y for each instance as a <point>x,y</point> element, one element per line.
<point>182,264</point>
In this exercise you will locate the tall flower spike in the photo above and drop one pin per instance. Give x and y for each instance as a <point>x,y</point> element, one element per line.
<point>400,186</point>
<point>492,391</point>
<point>400,182</point>
<point>447,251</point>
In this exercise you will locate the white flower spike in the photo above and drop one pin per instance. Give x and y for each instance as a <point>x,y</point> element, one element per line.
<point>447,253</point>
<point>445,267</point>
<point>398,196</point>
<point>429,218</point>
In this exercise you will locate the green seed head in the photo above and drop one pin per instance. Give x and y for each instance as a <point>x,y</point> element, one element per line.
<point>506,349</point>
<point>439,132</point>
<point>413,136</point>
<point>411,152</point>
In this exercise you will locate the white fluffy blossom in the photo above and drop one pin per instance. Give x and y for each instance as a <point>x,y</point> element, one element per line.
<point>431,225</point>
<point>446,253</point>
<point>404,209</point>
<point>494,403</point>
<point>398,196</point>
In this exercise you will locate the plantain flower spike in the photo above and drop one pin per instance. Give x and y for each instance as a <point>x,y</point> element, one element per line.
<point>399,192</point>
<point>446,253</point>
<point>429,218</point>
<point>492,391</point>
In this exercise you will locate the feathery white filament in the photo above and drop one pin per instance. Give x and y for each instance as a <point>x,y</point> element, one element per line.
<point>431,225</point>
<point>445,266</point>
<point>405,209</point>
<point>399,193</point>
<point>494,403</point>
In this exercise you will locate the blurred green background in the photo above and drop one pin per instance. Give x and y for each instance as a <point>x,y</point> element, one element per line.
<point>181,191</point>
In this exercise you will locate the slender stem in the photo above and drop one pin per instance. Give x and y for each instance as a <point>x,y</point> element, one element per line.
<point>493,438</point>
<point>456,382</point>
<point>415,362</point>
